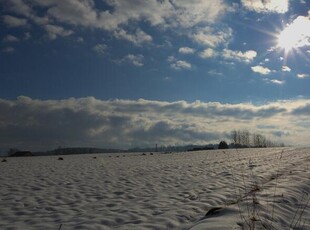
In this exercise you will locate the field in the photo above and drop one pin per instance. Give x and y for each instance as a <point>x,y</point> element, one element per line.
<point>232,189</point>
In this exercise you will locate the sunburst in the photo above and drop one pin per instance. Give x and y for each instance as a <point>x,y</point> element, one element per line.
<point>295,35</point>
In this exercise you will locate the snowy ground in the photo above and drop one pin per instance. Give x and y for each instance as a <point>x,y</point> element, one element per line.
<point>261,187</point>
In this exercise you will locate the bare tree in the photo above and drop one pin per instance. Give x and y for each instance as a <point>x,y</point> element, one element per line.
<point>234,136</point>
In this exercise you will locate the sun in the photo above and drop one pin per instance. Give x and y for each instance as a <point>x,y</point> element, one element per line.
<point>295,35</point>
<point>287,40</point>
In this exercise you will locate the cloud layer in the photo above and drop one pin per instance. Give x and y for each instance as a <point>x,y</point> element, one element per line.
<point>265,6</point>
<point>42,124</point>
<point>88,14</point>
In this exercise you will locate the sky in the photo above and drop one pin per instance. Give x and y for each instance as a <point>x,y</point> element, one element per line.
<point>126,73</point>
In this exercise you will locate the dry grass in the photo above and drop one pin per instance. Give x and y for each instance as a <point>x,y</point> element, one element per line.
<point>251,217</point>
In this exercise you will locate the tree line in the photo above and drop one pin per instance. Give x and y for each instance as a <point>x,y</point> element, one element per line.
<point>243,139</point>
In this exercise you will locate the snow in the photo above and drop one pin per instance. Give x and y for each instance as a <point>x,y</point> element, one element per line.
<point>193,190</point>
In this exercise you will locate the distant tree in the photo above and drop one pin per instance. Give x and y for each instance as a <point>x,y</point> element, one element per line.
<point>234,136</point>
<point>11,151</point>
<point>243,138</point>
<point>223,145</point>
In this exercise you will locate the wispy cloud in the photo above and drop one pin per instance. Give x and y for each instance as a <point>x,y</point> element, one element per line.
<point>11,21</point>
<point>10,38</point>
<point>27,35</point>
<point>138,38</point>
<point>57,31</point>
<point>212,37</point>
<point>277,82</point>
<point>215,72</point>
<point>302,75</point>
<point>20,7</point>
<point>171,59</point>
<point>136,60</point>
<point>8,49</point>
<point>261,6</point>
<point>100,49</point>
<point>208,53</point>
<point>247,56</point>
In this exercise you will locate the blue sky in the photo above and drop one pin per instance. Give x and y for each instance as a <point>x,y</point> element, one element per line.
<point>247,55</point>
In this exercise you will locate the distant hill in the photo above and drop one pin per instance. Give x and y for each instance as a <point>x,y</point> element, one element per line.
<point>22,154</point>
<point>175,148</point>
<point>77,150</point>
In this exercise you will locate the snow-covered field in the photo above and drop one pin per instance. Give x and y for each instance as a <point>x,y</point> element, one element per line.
<point>193,190</point>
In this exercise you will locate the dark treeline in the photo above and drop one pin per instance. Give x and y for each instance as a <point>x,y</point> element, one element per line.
<point>244,139</point>
<point>80,150</point>
<point>62,151</point>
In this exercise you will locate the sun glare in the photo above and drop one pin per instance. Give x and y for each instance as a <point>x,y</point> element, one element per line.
<point>295,35</point>
<point>286,40</point>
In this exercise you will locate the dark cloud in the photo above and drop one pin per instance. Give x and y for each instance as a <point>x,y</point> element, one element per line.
<point>280,133</point>
<point>167,133</point>
<point>302,110</point>
<point>43,124</point>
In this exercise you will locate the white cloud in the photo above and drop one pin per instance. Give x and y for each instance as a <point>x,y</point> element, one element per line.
<point>180,64</point>
<point>171,59</point>
<point>44,124</point>
<point>302,75</point>
<point>136,60</point>
<point>73,12</point>
<point>19,7</point>
<point>212,37</point>
<point>286,68</point>
<point>138,38</point>
<point>10,38</point>
<point>266,6</point>
<point>186,50</point>
<point>261,70</point>
<point>153,12</point>
<point>57,31</point>
<point>190,13</point>
<point>27,10</point>
<point>100,49</point>
<point>247,56</point>
<point>179,13</point>
<point>296,34</point>
<point>215,72</point>
<point>277,82</point>
<point>11,21</point>
<point>164,13</point>
<point>208,53</point>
